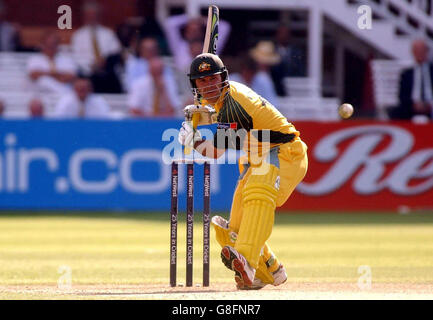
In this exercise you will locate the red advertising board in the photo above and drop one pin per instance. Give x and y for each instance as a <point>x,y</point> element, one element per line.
<point>359,165</point>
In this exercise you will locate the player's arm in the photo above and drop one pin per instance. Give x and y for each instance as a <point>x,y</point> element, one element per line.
<point>36,74</point>
<point>64,77</point>
<point>222,140</point>
<point>207,149</point>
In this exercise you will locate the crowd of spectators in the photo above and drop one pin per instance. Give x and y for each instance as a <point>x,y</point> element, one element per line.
<point>134,60</point>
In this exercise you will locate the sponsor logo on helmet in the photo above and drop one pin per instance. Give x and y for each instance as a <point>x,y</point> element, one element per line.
<point>204,66</point>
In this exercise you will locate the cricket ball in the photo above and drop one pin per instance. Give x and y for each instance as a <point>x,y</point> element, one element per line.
<point>345,110</point>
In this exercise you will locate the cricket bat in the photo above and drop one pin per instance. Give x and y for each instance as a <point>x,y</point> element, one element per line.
<point>209,46</point>
<point>211,37</point>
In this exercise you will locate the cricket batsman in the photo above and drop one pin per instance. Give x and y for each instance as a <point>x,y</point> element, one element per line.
<point>275,162</point>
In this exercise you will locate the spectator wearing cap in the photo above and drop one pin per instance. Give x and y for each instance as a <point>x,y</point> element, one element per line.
<point>50,70</point>
<point>82,103</point>
<point>154,94</point>
<point>92,44</point>
<point>265,57</point>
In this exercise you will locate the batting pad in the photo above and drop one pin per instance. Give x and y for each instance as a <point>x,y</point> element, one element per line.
<point>258,203</point>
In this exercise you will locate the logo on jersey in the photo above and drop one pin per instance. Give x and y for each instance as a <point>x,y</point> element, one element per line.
<point>204,66</point>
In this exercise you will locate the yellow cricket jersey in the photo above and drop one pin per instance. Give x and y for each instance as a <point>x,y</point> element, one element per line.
<point>239,107</point>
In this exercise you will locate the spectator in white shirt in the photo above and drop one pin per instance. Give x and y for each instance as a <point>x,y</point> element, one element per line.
<point>137,67</point>
<point>154,94</point>
<point>194,30</point>
<point>93,43</point>
<point>82,103</point>
<point>50,70</point>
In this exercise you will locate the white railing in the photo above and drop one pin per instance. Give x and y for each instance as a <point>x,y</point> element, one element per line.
<point>301,86</point>
<point>415,7</point>
<point>309,109</point>
<point>420,11</point>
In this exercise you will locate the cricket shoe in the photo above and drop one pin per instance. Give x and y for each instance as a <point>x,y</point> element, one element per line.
<point>280,276</point>
<point>244,273</point>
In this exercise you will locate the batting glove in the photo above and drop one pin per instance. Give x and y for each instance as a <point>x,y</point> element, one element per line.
<point>188,136</point>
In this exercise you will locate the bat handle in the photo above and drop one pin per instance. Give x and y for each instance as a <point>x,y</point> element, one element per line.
<point>195,120</point>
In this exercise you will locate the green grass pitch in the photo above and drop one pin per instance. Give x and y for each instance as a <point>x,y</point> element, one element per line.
<point>133,248</point>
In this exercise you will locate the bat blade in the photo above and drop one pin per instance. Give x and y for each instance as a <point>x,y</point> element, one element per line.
<point>211,37</point>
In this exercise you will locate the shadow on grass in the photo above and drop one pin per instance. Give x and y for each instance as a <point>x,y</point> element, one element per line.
<point>292,218</point>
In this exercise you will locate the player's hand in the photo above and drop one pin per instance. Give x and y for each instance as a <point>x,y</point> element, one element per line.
<point>207,114</point>
<point>187,135</point>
